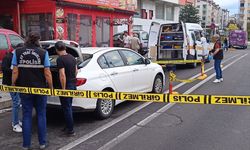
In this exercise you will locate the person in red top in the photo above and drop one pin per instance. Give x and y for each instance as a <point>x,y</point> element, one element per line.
<point>217,54</point>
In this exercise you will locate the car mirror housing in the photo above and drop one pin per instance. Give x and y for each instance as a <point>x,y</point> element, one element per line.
<point>147,61</point>
<point>81,65</point>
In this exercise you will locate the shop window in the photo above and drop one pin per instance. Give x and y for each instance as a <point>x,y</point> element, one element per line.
<point>138,10</point>
<point>102,32</point>
<point>72,20</point>
<point>159,11</point>
<point>41,23</point>
<point>170,13</point>
<point>6,21</point>
<point>4,43</point>
<point>85,36</point>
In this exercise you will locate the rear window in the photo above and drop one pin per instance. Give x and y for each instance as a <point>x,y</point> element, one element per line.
<point>144,36</point>
<point>86,59</point>
<point>3,42</point>
<point>15,40</point>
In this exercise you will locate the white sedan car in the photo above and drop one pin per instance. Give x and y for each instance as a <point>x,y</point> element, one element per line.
<point>109,69</point>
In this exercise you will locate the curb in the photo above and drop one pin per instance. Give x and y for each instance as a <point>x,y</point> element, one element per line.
<point>5,104</point>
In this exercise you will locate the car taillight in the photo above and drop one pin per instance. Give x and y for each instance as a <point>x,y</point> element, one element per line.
<point>80,81</point>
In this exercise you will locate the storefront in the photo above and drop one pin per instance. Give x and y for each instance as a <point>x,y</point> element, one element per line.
<point>9,14</point>
<point>88,22</point>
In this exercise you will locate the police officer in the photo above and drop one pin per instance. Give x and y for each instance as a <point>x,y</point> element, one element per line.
<point>31,68</point>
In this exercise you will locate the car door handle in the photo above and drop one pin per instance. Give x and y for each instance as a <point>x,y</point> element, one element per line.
<point>134,70</point>
<point>114,73</point>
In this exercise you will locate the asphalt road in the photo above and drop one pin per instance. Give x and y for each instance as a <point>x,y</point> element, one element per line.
<point>148,126</point>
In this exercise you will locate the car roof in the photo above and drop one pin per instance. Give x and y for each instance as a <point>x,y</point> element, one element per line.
<point>93,50</point>
<point>7,31</point>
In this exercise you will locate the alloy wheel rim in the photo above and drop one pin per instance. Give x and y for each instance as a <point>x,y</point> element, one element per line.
<point>106,106</point>
<point>158,85</point>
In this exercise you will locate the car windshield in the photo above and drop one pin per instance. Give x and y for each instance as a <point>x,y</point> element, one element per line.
<point>86,60</point>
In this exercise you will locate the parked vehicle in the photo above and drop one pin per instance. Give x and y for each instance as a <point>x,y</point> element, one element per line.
<point>108,69</point>
<point>177,41</point>
<point>238,39</point>
<point>142,35</point>
<point>8,41</point>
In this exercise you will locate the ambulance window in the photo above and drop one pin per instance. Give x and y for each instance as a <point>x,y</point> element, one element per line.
<point>197,35</point>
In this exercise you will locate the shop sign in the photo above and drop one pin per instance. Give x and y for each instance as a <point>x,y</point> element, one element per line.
<point>59,12</point>
<point>60,20</point>
<point>117,22</point>
<point>130,5</point>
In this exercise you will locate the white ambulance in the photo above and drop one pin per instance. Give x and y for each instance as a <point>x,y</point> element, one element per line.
<point>176,41</point>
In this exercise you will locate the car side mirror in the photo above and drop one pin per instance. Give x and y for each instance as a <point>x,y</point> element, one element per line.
<point>147,61</point>
<point>81,65</point>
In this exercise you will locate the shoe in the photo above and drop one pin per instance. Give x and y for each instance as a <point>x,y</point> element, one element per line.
<point>42,146</point>
<point>64,129</point>
<point>26,148</point>
<point>217,81</point>
<point>70,133</point>
<point>221,79</point>
<point>20,123</point>
<point>17,128</point>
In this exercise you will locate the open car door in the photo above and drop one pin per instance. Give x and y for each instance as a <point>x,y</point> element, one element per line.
<point>153,39</point>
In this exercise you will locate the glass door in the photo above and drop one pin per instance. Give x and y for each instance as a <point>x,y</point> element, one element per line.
<point>102,32</point>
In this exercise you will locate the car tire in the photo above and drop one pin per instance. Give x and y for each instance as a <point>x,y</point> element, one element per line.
<point>104,108</point>
<point>158,84</point>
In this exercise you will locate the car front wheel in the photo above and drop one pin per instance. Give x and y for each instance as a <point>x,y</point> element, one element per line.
<point>158,84</point>
<point>104,108</point>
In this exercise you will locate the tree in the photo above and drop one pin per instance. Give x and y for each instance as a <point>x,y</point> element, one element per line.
<point>232,27</point>
<point>189,14</point>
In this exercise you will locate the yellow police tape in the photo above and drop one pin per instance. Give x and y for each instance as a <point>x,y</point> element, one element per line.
<point>141,97</point>
<point>163,62</point>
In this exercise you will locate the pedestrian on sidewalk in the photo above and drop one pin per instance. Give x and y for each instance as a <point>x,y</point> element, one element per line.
<point>225,44</point>
<point>7,76</point>
<point>31,68</point>
<point>66,64</point>
<point>217,54</point>
<point>135,42</point>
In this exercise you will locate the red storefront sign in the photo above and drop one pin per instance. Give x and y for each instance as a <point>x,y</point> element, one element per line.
<point>130,5</point>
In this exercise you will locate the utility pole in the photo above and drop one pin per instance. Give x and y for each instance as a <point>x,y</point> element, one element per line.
<point>206,18</point>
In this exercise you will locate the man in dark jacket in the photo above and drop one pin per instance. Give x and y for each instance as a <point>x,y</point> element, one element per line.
<point>7,74</point>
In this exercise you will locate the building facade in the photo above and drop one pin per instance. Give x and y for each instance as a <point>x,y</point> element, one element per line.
<point>88,22</point>
<point>212,14</point>
<point>162,11</point>
<point>244,16</point>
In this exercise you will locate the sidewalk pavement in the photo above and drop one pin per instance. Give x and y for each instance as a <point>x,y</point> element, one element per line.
<point>5,101</point>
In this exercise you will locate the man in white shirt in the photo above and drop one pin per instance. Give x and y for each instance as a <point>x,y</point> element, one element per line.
<point>204,44</point>
<point>126,40</point>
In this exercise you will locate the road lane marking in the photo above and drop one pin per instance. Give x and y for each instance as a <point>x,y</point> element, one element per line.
<point>211,76</point>
<point>115,121</point>
<point>145,121</point>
